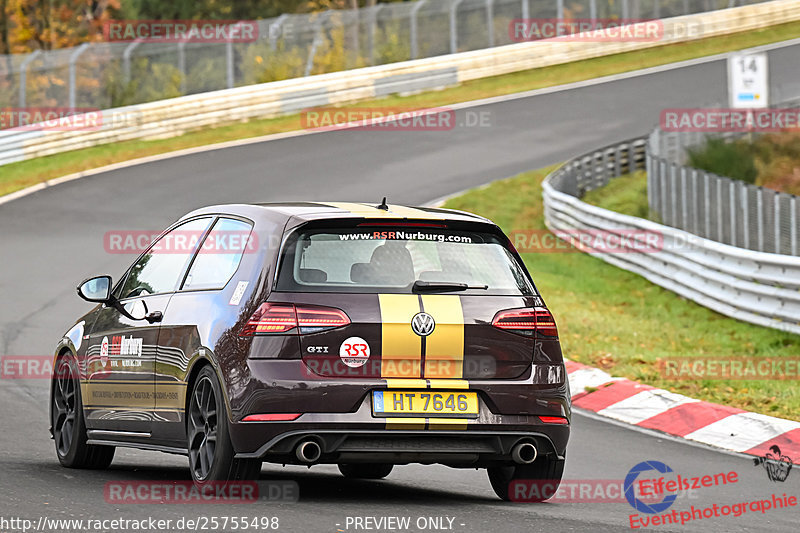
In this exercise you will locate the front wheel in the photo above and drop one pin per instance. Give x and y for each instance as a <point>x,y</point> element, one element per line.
<point>535,482</point>
<point>365,470</point>
<point>211,454</point>
<point>69,426</point>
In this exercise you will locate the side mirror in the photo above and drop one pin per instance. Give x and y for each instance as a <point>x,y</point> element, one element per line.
<point>97,289</point>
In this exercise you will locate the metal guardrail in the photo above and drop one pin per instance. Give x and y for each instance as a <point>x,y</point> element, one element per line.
<point>756,287</point>
<point>113,74</point>
<point>165,118</point>
<point>716,207</point>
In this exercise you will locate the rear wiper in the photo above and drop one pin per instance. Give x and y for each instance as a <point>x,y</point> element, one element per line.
<point>420,285</point>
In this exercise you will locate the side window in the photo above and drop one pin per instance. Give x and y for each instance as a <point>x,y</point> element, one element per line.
<point>159,269</point>
<point>220,255</point>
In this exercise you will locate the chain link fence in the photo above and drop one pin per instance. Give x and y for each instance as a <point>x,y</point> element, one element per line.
<point>113,74</point>
<point>717,207</point>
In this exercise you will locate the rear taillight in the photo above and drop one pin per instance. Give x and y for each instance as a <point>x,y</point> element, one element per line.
<point>526,321</point>
<point>284,318</point>
<point>312,319</point>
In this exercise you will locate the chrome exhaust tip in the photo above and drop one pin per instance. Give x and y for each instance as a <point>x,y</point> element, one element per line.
<point>524,453</point>
<point>308,451</point>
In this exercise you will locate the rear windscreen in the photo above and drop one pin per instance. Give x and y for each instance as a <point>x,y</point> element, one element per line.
<point>385,259</point>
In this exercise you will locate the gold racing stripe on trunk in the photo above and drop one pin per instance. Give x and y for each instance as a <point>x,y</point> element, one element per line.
<point>444,348</point>
<point>401,348</point>
<point>448,384</point>
<point>406,383</point>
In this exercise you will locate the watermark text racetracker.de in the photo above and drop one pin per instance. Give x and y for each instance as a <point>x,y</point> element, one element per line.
<point>181,31</point>
<point>730,367</point>
<point>587,240</point>
<point>180,242</point>
<point>719,120</point>
<point>394,119</point>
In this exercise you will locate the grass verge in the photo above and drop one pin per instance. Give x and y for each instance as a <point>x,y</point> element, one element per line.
<point>618,321</point>
<point>26,173</point>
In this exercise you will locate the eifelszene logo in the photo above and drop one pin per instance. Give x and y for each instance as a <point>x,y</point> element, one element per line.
<point>777,466</point>
<point>423,324</point>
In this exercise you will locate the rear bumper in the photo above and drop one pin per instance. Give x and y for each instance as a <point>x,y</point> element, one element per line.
<point>509,413</point>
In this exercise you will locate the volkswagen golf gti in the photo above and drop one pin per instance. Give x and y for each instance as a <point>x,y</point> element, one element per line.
<point>360,335</point>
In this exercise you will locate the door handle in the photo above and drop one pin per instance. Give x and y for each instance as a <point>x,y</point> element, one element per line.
<point>155,316</point>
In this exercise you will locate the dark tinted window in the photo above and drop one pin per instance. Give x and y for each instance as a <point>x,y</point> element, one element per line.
<point>220,255</point>
<point>160,268</point>
<point>392,259</point>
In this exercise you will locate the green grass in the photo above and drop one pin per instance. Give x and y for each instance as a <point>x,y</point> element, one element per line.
<point>26,173</point>
<point>625,194</point>
<point>618,321</point>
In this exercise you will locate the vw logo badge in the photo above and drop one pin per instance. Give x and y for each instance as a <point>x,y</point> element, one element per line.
<point>423,324</point>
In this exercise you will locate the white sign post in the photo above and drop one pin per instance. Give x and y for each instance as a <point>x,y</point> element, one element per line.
<point>748,81</point>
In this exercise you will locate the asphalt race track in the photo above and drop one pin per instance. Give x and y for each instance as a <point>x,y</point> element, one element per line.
<point>52,239</point>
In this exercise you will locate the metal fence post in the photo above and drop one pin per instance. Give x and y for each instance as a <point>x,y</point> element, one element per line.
<point>73,59</point>
<point>126,60</point>
<point>684,200</point>
<point>695,204</point>
<point>793,225</point>
<point>454,26</point>
<point>706,205</point>
<point>560,9</point>
<point>626,9</point>
<point>413,28</point>
<point>23,77</point>
<point>744,191</point>
<point>760,218</point>
<point>685,7</point>
<point>274,28</point>
<point>182,64</point>
<point>776,199</point>
<point>732,195</point>
<point>490,21</point>
<point>229,59</point>
<point>526,9</point>
<point>657,9</point>
<point>673,194</point>
<point>373,25</point>
<point>718,187</point>
<point>593,9</point>
<point>663,180</point>
<point>315,43</point>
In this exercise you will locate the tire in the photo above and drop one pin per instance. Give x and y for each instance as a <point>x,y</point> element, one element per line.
<point>69,426</point>
<point>541,479</point>
<point>211,453</point>
<point>366,470</point>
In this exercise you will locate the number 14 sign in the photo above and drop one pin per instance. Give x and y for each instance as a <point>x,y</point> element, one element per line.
<point>748,81</point>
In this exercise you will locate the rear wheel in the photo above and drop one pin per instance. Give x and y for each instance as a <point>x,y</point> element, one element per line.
<point>535,482</point>
<point>211,454</point>
<point>365,470</point>
<point>69,427</point>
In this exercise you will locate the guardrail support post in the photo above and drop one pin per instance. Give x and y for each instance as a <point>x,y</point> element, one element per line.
<point>73,59</point>
<point>626,9</point>
<point>413,28</point>
<point>560,9</point>
<point>695,204</point>
<point>454,26</point>
<point>229,60</point>
<point>593,9</point>
<point>526,10</point>
<point>182,64</point>
<point>23,76</point>
<point>657,9</point>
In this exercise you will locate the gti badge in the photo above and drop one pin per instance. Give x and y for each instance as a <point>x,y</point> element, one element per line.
<point>423,324</point>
